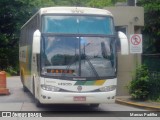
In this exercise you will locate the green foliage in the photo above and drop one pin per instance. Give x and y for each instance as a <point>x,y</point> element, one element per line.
<point>145,84</point>
<point>100,3</point>
<point>157,100</point>
<point>13,14</point>
<point>154,85</point>
<point>11,71</point>
<point>139,86</point>
<point>151,43</point>
<point>70,2</point>
<point>151,29</point>
<point>86,3</point>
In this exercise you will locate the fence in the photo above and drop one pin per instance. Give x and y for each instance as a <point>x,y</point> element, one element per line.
<point>154,84</point>
<point>152,61</point>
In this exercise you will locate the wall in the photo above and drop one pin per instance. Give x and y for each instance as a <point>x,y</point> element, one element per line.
<point>132,19</point>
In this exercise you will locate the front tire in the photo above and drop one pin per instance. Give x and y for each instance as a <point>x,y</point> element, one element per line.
<point>25,89</point>
<point>94,105</point>
<point>36,101</point>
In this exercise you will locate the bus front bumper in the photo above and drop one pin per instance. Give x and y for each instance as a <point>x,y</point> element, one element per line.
<point>48,97</point>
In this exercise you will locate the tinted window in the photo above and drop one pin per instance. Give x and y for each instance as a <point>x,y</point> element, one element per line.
<point>78,25</point>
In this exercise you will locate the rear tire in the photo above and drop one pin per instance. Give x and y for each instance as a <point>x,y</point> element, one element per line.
<point>22,80</point>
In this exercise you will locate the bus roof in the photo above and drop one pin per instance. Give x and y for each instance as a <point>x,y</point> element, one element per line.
<point>74,10</point>
<point>70,10</point>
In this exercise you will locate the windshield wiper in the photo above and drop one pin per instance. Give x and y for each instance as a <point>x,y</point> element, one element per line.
<point>89,62</point>
<point>92,67</point>
<point>80,57</point>
<point>70,64</point>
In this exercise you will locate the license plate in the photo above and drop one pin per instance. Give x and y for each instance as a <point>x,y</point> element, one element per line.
<point>79,98</point>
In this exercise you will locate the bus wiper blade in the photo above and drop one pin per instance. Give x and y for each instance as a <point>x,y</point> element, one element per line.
<point>92,67</point>
<point>70,64</point>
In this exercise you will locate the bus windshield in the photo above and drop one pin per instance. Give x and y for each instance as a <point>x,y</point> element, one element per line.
<point>65,56</point>
<point>101,25</point>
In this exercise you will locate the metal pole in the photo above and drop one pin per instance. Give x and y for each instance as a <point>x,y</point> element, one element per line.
<point>79,56</point>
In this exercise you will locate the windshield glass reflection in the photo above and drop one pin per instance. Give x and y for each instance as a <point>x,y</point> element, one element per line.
<point>92,57</point>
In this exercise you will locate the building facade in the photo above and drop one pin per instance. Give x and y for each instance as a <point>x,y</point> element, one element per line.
<point>130,20</point>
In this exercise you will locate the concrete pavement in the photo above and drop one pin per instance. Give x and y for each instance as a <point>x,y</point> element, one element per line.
<point>153,106</point>
<point>23,100</point>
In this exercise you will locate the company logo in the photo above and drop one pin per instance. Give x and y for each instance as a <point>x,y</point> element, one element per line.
<point>79,88</point>
<point>6,114</point>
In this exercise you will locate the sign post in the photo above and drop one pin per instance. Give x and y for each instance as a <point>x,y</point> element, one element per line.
<point>136,43</point>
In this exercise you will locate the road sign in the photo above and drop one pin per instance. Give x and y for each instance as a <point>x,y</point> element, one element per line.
<point>136,43</point>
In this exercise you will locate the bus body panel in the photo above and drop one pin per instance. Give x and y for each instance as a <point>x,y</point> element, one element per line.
<point>29,66</point>
<point>72,95</point>
<point>48,97</point>
<point>87,86</point>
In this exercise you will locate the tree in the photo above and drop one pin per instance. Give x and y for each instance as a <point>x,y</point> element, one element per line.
<point>71,2</point>
<point>13,14</point>
<point>152,24</point>
<point>88,3</point>
<point>100,3</point>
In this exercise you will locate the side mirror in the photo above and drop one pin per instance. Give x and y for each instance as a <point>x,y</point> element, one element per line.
<point>124,43</point>
<point>36,42</point>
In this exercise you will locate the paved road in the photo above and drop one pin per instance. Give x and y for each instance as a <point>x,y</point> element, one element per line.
<point>20,101</point>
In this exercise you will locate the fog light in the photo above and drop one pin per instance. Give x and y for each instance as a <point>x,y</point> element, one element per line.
<point>49,97</point>
<point>44,97</point>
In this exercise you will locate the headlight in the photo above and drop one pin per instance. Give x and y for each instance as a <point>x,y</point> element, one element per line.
<point>50,88</point>
<point>108,88</point>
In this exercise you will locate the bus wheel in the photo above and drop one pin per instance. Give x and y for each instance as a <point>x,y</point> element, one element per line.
<point>24,87</point>
<point>94,105</point>
<point>38,104</point>
<point>36,101</point>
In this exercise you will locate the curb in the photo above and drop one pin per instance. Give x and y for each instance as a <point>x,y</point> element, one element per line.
<point>147,107</point>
